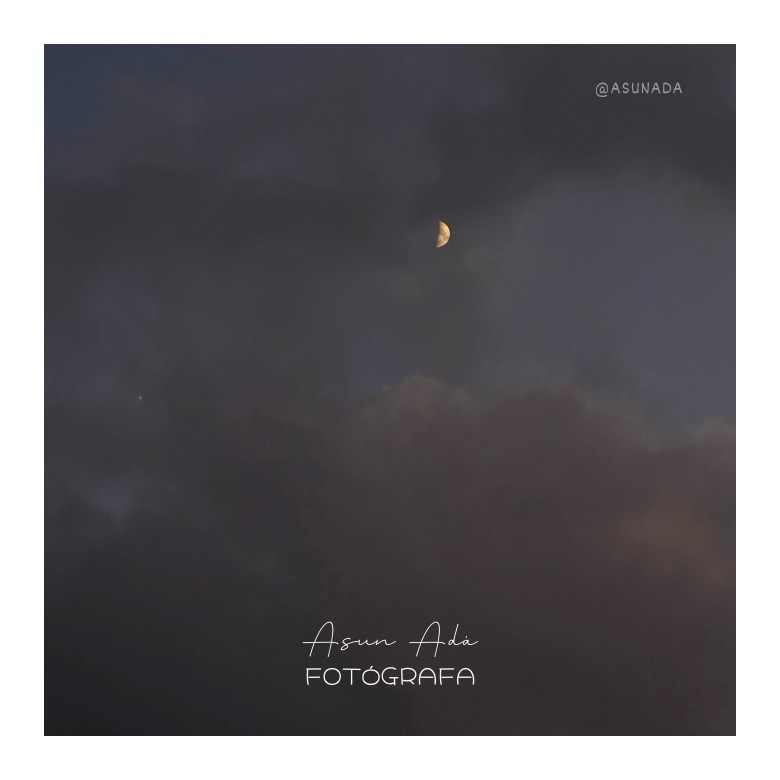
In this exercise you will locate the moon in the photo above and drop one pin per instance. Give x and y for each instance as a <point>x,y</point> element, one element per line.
<point>444,234</point>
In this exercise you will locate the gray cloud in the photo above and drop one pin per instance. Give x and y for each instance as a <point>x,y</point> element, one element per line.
<point>270,399</point>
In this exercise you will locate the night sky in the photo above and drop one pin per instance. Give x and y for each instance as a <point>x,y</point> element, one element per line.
<point>272,402</point>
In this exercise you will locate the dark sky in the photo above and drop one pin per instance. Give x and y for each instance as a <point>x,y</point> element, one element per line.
<point>270,401</point>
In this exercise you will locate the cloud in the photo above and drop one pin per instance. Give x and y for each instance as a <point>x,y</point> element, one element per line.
<point>287,226</point>
<point>594,566</point>
<point>559,532</point>
<point>339,421</point>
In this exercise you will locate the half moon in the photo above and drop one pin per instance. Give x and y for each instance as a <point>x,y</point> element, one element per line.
<point>444,234</point>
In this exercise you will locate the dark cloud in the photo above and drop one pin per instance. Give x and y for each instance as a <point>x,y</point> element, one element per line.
<point>327,181</point>
<point>546,120</point>
<point>271,401</point>
<point>594,567</point>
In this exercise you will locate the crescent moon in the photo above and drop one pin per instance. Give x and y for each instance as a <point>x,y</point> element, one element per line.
<point>444,234</point>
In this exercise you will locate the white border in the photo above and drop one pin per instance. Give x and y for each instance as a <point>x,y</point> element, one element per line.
<point>405,21</point>
<point>408,22</point>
